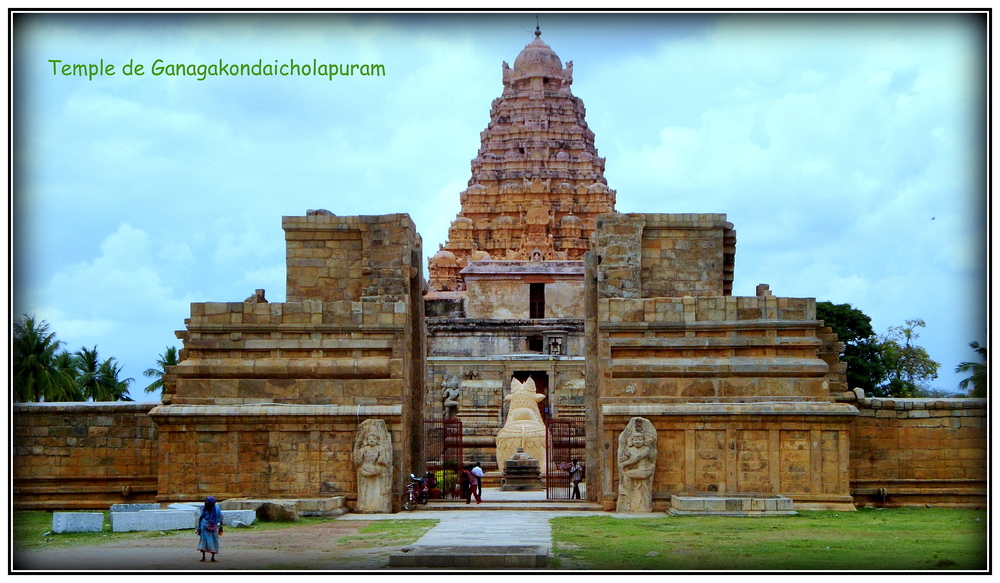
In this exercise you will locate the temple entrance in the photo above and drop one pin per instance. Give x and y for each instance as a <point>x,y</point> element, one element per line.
<point>443,443</point>
<point>565,441</point>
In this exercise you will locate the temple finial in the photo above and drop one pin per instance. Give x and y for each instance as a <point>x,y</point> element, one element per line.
<point>538,29</point>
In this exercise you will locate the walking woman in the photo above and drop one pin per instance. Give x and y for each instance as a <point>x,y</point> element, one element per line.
<point>210,528</point>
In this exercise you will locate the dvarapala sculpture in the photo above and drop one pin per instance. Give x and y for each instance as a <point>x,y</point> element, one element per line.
<point>373,461</point>
<point>636,464</point>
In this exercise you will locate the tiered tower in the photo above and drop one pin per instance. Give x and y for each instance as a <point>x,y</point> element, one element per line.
<point>537,183</point>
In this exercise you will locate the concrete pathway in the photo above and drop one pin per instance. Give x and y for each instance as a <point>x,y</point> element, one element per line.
<point>490,527</point>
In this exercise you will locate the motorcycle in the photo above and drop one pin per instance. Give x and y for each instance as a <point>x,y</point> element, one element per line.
<point>417,491</point>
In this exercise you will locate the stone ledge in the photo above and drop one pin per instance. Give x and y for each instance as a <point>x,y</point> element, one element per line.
<point>276,409</point>
<point>766,408</point>
<point>900,404</point>
<point>731,505</point>
<point>473,557</point>
<point>81,407</point>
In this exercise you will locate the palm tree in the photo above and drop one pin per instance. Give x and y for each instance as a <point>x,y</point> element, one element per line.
<point>168,358</point>
<point>66,364</point>
<point>98,381</point>
<point>88,372</point>
<point>111,387</point>
<point>978,369</point>
<point>36,374</point>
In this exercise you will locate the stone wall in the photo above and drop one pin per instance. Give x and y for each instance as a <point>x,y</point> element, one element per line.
<point>348,258</point>
<point>920,452</point>
<point>83,455</point>
<point>274,391</point>
<point>798,450</point>
<point>687,255</point>
<point>665,255</point>
<point>500,289</point>
<point>265,451</point>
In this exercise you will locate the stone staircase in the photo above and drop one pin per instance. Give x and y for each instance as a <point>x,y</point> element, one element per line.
<point>496,499</point>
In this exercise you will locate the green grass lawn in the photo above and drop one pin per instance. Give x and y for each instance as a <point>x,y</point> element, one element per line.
<point>868,540</point>
<point>30,528</point>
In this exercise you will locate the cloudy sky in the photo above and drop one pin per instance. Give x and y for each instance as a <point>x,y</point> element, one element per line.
<point>848,150</point>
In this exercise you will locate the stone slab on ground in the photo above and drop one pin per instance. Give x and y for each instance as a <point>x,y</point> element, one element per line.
<point>473,557</point>
<point>731,505</point>
<point>134,507</point>
<point>77,522</point>
<point>231,517</point>
<point>170,519</point>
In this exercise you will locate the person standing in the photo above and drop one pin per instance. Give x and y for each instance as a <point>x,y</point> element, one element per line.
<point>463,478</point>
<point>210,528</point>
<point>575,476</point>
<point>473,486</point>
<point>477,471</point>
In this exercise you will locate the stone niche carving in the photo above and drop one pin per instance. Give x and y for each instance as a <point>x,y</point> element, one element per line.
<point>636,464</point>
<point>373,462</point>
<point>451,391</point>
<point>523,427</point>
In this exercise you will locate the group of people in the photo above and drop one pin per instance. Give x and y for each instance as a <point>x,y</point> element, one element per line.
<point>471,480</point>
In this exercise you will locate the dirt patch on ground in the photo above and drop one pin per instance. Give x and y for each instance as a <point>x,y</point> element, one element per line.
<point>336,545</point>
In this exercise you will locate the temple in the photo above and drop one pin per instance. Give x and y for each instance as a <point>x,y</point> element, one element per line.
<point>673,393</point>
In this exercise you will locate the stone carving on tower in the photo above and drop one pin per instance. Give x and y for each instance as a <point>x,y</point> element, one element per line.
<point>537,182</point>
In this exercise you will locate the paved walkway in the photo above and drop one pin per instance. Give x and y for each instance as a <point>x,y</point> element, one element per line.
<point>489,527</point>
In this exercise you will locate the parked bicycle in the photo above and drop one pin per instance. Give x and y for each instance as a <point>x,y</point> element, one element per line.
<point>417,491</point>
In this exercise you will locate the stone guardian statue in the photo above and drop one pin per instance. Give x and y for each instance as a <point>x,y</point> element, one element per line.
<point>373,462</point>
<point>449,400</point>
<point>636,464</point>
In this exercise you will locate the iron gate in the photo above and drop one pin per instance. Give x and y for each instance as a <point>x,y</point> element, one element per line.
<point>443,443</point>
<point>565,441</point>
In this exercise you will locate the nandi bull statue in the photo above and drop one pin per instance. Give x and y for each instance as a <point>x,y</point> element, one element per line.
<point>524,427</point>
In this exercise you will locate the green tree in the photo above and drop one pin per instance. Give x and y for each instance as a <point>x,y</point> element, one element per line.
<point>98,381</point>
<point>88,366</point>
<point>168,358</point>
<point>908,365</point>
<point>862,352</point>
<point>977,376</point>
<point>113,388</point>
<point>37,374</point>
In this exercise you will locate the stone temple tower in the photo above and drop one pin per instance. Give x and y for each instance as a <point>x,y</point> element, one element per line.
<point>537,182</point>
<point>506,290</point>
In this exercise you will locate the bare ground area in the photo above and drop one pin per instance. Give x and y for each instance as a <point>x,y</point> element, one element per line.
<point>335,545</point>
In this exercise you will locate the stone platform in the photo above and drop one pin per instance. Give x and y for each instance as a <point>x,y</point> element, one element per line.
<point>473,557</point>
<point>731,505</point>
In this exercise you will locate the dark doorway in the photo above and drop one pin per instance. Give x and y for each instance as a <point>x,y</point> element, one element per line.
<point>541,379</point>
<point>536,300</point>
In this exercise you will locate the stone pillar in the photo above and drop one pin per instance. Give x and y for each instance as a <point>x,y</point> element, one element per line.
<point>594,419</point>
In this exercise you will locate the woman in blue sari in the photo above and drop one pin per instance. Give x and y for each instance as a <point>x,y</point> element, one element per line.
<point>209,527</point>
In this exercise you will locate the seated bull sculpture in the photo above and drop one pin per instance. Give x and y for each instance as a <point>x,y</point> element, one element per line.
<point>523,427</point>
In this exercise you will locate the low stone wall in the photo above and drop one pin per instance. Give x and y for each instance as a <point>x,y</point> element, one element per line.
<point>797,450</point>
<point>83,455</point>
<point>267,451</point>
<point>907,452</point>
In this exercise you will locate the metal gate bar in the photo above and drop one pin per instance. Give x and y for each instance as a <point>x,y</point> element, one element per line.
<point>443,440</point>
<point>565,440</point>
